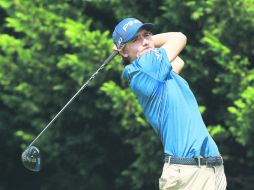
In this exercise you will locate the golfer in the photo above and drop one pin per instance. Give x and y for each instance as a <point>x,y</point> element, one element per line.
<point>192,159</point>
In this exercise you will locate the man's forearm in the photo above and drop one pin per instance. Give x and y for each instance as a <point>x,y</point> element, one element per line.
<point>172,42</point>
<point>162,38</point>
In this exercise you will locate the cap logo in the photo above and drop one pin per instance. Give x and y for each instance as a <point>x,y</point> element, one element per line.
<point>130,23</point>
<point>119,43</point>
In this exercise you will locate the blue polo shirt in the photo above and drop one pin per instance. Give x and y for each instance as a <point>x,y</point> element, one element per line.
<point>169,105</point>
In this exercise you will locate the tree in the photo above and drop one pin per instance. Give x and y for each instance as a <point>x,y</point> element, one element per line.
<point>102,141</point>
<point>46,57</point>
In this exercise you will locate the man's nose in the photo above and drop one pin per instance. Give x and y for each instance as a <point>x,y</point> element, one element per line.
<point>144,41</point>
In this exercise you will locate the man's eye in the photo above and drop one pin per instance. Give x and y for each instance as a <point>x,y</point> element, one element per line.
<point>135,39</point>
<point>147,34</point>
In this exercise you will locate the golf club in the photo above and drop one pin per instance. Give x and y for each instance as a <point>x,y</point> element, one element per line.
<point>31,158</point>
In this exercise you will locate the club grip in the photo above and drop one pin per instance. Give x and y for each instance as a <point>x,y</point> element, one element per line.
<point>110,57</point>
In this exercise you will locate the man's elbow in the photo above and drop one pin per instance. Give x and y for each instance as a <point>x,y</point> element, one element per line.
<point>182,37</point>
<point>180,65</point>
<point>177,65</point>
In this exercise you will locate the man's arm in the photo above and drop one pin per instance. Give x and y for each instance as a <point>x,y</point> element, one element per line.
<point>177,64</point>
<point>172,42</point>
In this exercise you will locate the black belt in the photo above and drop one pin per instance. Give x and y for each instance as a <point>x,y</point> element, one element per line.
<point>198,161</point>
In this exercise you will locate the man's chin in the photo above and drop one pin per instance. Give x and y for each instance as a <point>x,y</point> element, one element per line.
<point>145,51</point>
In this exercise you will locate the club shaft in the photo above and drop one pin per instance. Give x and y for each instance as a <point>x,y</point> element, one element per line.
<point>75,95</point>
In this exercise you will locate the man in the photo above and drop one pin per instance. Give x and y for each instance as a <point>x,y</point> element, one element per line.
<point>192,159</point>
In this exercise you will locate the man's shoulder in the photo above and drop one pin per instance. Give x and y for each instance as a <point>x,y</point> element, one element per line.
<point>129,70</point>
<point>154,54</point>
<point>149,63</point>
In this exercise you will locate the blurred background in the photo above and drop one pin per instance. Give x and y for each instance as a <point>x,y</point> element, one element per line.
<point>48,49</point>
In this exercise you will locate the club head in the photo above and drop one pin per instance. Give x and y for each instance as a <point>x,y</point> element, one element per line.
<point>31,159</point>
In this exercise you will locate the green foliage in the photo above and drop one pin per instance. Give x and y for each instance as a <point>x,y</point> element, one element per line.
<point>45,59</point>
<point>242,111</point>
<point>103,141</point>
<point>126,105</point>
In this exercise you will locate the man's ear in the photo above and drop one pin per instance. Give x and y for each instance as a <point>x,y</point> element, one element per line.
<point>123,53</point>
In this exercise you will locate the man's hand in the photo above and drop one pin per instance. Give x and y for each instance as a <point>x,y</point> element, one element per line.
<point>114,48</point>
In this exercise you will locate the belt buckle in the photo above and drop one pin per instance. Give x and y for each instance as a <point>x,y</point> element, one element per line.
<point>214,161</point>
<point>219,160</point>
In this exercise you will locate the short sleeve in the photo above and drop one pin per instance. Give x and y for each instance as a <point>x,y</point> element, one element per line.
<point>165,57</point>
<point>156,64</point>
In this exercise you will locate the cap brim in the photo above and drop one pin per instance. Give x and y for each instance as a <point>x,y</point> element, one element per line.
<point>146,26</point>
